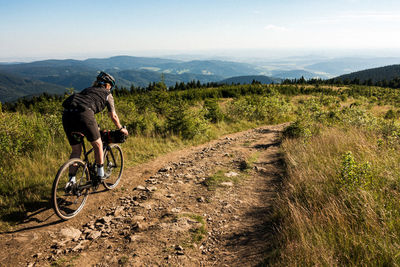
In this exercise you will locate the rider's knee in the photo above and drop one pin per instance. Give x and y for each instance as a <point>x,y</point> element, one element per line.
<point>97,144</point>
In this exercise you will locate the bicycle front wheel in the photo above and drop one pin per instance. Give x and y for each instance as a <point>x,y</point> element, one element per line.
<point>113,165</point>
<point>69,197</point>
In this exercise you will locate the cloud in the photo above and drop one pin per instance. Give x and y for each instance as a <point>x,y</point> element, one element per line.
<point>275,28</point>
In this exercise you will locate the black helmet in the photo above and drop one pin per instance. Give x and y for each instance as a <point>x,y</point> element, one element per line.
<point>106,78</point>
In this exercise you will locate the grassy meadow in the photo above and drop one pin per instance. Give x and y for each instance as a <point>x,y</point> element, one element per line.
<point>338,204</point>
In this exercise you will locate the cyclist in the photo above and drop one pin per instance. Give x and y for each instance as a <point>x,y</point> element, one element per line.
<point>78,116</point>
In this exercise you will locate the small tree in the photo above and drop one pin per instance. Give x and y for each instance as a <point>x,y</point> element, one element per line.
<point>213,111</point>
<point>160,86</point>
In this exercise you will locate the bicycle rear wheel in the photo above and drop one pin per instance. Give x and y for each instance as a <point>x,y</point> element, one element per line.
<point>113,165</point>
<point>68,198</point>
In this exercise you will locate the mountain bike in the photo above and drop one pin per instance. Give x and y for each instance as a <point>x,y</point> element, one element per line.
<point>69,197</point>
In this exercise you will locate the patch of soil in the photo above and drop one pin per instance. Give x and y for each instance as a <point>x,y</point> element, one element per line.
<point>202,206</point>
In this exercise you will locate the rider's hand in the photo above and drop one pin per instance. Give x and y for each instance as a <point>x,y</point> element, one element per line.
<point>125,131</point>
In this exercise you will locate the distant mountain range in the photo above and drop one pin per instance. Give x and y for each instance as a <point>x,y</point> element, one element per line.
<point>376,74</point>
<point>127,62</point>
<point>127,70</point>
<point>54,76</point>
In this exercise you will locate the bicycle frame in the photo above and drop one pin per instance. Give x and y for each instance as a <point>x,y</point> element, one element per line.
<point>90,165</point>
<point>86,154</point>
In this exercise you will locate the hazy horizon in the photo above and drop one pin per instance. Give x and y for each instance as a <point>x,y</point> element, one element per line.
<point>35,30</point>
<point>241,55</point>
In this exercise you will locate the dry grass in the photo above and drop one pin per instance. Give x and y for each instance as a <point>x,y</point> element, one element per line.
<point>380,111</point>
<point>328,224</point>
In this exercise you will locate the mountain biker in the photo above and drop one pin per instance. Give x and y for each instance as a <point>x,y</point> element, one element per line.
<point>78,116</point>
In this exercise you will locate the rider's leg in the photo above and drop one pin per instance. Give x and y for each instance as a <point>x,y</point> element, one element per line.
<point>98,150</point>
<point>76,153</point>
<point>98,154</point>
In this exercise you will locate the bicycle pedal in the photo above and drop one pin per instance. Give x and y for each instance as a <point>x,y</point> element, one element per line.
<point>95,184</point>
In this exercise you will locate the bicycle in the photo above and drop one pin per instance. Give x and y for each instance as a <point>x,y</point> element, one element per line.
<point>68,198</point>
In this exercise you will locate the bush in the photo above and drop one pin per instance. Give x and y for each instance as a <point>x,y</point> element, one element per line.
<point>390,115</point>
<point>273,109</point>
<point>187,122</point>
<point>148,124</point>
<point>354,175</point>
<point>298,129</point>
<point>329,101</point>
<point>213,111</point>
<point>22,134</point>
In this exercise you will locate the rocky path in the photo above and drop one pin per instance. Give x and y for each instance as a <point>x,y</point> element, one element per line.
<point>205,206</point>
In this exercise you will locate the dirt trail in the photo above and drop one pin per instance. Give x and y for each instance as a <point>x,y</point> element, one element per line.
<point>208,205</point>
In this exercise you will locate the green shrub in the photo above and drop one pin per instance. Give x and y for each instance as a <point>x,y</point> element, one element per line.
<point>343,97</point>
<point>357,117</point>
<point>353,174</point>
<point>22,134</point>
<point>329,101</point>
<point>390,115</point>
<point>148,124</point>
<point>187,122</point>
<point>390,131</point>
<point>273,109</point>
<point>298,129</point>
<point>213,110</point>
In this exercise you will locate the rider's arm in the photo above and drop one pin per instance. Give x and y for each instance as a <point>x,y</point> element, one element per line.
<point>111,111</point>
<point>113,115</point>
<point>115,119</point>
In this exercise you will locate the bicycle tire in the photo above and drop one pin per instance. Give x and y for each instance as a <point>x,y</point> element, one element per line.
<point>68,204</point>
<point>113,166</point>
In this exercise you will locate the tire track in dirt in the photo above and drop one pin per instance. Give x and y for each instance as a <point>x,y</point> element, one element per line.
<point>202,206</point>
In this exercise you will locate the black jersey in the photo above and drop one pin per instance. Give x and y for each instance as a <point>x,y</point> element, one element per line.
<point>93,98</point>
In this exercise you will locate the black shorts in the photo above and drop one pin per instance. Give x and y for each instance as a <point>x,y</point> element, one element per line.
<point>83,122</point>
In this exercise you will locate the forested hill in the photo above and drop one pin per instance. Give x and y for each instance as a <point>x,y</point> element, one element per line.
<point>250,79</point>
<point>13,87</point>
<point>387,73</point>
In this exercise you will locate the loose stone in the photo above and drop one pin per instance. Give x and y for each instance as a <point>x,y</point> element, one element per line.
<point>93,235</point>
<point>140,188</point>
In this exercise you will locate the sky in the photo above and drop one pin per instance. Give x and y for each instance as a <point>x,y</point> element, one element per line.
<point>32,29</point>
